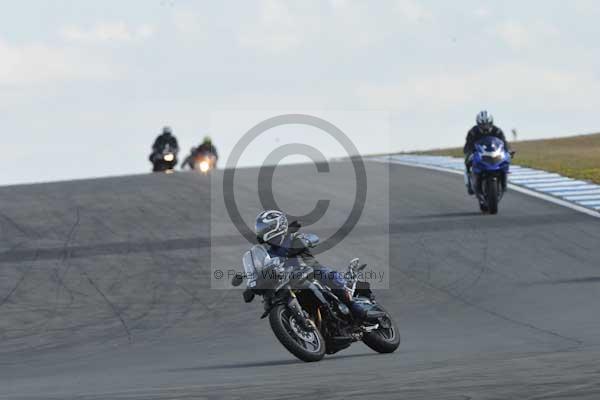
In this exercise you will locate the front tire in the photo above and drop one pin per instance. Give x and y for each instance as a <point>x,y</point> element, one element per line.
<point>491,195</point>
<point>308,346</point>
<point>384,339</point>
<point>483,208</point>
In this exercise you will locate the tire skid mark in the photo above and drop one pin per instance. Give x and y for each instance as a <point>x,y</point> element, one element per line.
<point>110,304</point>
<point>496,314</point>
<point>484,262</point>
<point>16,225</point>
<point>60,279</point>
<point>18,283</point>
<point>189,307</point>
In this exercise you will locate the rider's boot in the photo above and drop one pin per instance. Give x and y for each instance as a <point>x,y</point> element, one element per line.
<point>468,176</point>
<point>359,311</point>
<point>362,314</point>
<point>468,183</point>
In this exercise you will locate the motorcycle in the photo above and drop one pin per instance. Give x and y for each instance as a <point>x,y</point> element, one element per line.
<point>490,164</point>
<point>204,162</point>
<point>307,318</point>
<point>165,160</point>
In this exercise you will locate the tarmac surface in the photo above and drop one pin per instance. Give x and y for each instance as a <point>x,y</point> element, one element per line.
<point>105,291</point>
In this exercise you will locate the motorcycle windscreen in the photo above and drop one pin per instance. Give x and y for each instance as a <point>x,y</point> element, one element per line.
<point>491,150</point>
<point>254,261</point>
<point>489,143</point>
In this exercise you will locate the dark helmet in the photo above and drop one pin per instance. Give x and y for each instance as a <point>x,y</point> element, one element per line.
<point>167,130</point>
<point>270,224</point>
<point>207,140</point>
<point>485,121</point>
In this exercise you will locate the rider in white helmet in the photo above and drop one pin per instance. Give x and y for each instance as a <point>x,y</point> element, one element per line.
<point>484,127</point>
<point>283,240</point>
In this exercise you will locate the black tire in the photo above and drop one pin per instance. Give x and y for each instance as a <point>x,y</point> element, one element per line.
<point>483,208</point>
<point>160,166</point>
<point>383,340</point>
<point>491,194</point>
<point>279,318</point>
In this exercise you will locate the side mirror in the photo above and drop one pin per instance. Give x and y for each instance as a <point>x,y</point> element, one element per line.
<point>309,239</point>
<point>354,263</point>
<point>237,280</point>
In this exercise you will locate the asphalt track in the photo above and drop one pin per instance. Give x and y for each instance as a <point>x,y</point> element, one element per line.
<point>105,294</point>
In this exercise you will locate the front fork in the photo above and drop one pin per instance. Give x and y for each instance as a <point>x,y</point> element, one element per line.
<point>302,318</point>
<point>478,183</point>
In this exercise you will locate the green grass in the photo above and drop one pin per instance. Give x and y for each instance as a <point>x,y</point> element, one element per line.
<point>576,156</point>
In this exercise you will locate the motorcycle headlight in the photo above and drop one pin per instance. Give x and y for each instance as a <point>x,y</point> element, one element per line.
<point>204,166</point>
<point>169,157</point>
<point>493,157</point>
<point>492,160</point>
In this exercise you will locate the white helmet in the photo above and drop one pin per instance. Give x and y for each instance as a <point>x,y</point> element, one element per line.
<point>270,224</point>
<point>485,120</point>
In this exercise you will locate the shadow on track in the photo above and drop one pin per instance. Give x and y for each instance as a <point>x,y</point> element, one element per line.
<point>269,363</point>
<point>588,279</point>
<point>420,225</point>
<point>449,215</point>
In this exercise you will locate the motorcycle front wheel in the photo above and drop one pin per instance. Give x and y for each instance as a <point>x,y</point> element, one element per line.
<point>491,194</point>
<point>307,345</point>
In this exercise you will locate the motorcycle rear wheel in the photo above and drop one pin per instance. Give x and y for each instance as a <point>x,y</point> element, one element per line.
<point>308,346</point>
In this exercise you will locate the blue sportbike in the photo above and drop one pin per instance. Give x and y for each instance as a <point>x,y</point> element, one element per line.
<point>490,163</point>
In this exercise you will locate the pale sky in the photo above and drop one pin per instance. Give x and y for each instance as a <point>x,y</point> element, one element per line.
<point>85,86</point>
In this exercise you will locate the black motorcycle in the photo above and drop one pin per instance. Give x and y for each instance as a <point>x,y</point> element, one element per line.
<point>164,160</point>
<point>201,161</point>
<point>306,316</point>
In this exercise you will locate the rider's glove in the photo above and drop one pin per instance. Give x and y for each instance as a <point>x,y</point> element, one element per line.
<point>248,295</point>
